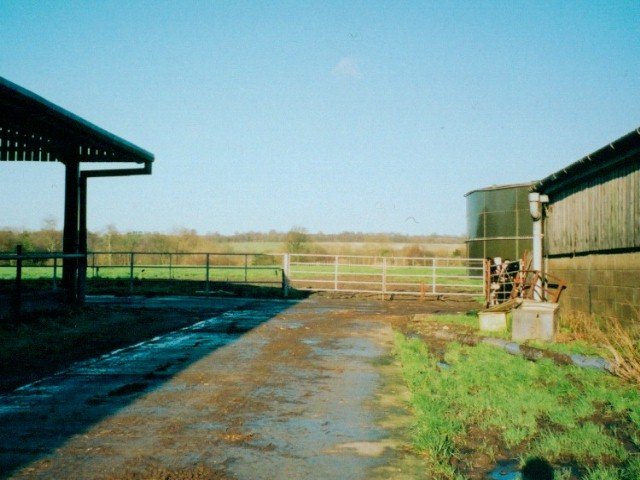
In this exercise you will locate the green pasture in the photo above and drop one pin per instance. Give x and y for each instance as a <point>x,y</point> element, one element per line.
<point>267,273</point>
<point>157,272</point>
<point>444,275</point>
<point>267,269</point>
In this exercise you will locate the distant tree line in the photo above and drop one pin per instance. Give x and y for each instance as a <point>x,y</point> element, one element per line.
<point>275,236</point>
<point>296,240</point>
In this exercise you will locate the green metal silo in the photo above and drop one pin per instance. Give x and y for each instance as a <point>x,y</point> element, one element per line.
<point>498,221</point>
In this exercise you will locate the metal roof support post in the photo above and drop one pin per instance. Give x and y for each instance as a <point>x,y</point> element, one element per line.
<point>82,230</point>
<point>82,241</point>
<point>70,235</point>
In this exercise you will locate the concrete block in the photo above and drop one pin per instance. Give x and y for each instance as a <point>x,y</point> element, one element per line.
<point>629,278</point>
<point>577,291</point>
<point>625,312</point>
<point>627,261</point>
<point>534,321</point>
<point>622,294</point>
<point>492,321</point>
<point>599,307</point>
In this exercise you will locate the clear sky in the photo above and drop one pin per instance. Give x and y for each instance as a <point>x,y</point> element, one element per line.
<point>365,116</point>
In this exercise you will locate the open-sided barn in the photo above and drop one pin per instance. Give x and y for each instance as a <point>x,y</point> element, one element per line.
<point>33,129</point>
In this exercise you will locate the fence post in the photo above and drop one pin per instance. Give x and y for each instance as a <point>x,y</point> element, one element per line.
<point>170,267</point>
<point>335,273</point>
<point>384,275</point>
<point>246,260</point>
<point>285,274</point>
<point>82,279</point>
<point>433,276</point>
<point>285,285</point>
<point>206,285</point>
<point>55,272</point>
<point>486,279</point>
<point>131,260</point>
<point>16,305</point>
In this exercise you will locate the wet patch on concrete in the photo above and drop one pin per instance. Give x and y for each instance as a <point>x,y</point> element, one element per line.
<point>368,449</point>
<point>43,415</point>
<point>128,389</point>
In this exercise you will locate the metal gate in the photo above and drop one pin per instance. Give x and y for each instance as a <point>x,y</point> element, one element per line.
<point>386,275</point>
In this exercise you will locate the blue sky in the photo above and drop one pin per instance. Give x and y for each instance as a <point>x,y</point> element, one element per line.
<point>329,115</point>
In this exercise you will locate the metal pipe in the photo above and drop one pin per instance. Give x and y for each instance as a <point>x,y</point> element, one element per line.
<point>82,228</point>
<point>535,209</point>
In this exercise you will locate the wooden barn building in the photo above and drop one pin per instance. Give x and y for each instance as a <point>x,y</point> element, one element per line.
<point>592,230</point>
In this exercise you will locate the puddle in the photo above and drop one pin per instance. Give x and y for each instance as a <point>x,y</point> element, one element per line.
<point>311,341</point>
<point>358,347</point>
<point>367,449</point>
<point>506,470</point>
<point>443,366</point>
<point>292,325</point>
<point>589,362</point>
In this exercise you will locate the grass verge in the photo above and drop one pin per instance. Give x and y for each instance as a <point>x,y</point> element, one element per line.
<point>484,405</point>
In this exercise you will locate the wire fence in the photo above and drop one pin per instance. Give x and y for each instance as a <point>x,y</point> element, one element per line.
<point>18,264</point>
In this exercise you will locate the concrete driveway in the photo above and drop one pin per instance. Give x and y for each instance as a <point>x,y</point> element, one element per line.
<point>266,389</point>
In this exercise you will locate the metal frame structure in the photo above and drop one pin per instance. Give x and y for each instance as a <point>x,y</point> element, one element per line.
<point>34,129</point>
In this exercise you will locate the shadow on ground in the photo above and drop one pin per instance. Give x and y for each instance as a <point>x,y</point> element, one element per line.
<point>38,418</point>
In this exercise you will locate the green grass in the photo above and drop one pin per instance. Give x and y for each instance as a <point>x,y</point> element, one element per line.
<point>394,274</point>
<point>575,346</point>
<point>455,319</point>
<point>534,408</point>
<point>355,277</point>
<point>629,471</point>
<point>216,273</point>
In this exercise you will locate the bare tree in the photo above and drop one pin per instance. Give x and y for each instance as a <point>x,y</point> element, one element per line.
<point>297,240</point>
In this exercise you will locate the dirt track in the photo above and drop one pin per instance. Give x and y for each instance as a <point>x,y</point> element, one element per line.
<point>266,390</point>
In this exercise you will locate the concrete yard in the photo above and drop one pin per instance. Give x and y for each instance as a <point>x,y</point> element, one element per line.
<point>262,389</point>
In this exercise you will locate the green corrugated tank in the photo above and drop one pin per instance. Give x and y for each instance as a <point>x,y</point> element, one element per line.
<point>498,221</point>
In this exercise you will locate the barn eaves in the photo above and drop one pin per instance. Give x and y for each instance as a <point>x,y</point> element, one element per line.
<point>36,130</point>
<point>619,152</point>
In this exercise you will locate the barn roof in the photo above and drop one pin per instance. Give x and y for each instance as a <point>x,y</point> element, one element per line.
<point>34,129</point>
<point>624,150</point>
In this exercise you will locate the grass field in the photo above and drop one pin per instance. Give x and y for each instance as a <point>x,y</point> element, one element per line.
<point>419,274</point>
<point>307,272</point>
<point>478,405</point>
<point>154,272</point>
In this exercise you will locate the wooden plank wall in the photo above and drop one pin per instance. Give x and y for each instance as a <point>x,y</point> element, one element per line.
<point>601,213</point>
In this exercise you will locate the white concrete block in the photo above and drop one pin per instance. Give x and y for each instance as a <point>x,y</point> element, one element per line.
<point>534,321</point>
<point>492,321</point>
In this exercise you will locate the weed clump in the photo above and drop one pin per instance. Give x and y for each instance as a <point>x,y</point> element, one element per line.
<point>622,342</point>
